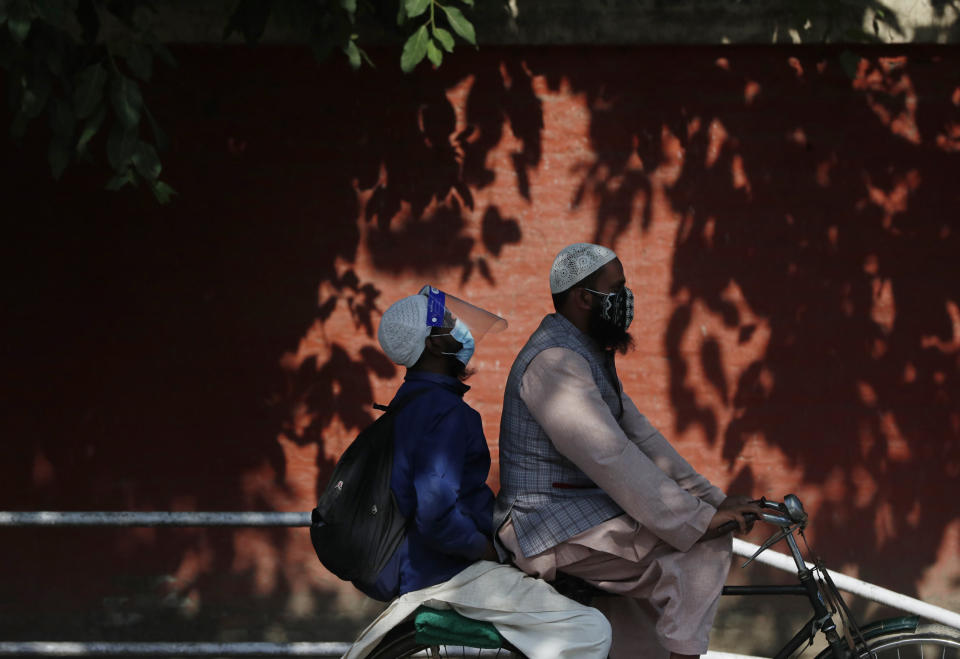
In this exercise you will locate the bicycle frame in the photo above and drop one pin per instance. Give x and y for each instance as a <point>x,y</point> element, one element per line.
<point>809,587</point>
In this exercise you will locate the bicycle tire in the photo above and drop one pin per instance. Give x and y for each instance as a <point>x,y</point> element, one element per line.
<point>401,642</point>
<point>927,641</point>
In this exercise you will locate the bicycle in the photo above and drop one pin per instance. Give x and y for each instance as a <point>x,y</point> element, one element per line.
<point>902,637</point>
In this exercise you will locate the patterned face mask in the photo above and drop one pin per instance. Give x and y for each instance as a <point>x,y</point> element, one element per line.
<point>616,308</point>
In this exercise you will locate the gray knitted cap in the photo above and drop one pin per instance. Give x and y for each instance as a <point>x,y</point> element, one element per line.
<point>403,329</point>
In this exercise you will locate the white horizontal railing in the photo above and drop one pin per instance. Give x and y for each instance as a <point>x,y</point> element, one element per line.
<point>126,518</point>
<point>333,649</point>
<point>141,649</point>
<point>855,586</point>
<point>78,649</point>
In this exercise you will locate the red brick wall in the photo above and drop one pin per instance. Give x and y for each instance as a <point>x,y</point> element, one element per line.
<point>791,236</point>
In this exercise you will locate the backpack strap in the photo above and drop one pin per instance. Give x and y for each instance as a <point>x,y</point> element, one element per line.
<point>400,403</point>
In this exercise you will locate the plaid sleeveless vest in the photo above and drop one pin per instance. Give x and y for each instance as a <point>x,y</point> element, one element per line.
<point>548,498</point>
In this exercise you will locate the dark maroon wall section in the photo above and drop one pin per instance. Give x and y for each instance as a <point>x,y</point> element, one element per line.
<point>791,234</point>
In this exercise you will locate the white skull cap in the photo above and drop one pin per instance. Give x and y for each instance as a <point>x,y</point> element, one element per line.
<point>576,261</point>
<point>403,329</point>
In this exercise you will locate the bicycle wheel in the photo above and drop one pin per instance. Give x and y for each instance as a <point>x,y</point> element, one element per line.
<point>929,641</point>
<point>401,642</point>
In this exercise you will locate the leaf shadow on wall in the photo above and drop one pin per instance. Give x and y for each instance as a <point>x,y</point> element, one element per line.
<point>197,356</point>
<point>818,232</point>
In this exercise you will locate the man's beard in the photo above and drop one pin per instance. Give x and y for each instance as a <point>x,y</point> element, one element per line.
<point>607,335</point>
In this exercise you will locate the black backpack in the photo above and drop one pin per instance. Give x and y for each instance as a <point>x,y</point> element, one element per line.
<point>357,525</point>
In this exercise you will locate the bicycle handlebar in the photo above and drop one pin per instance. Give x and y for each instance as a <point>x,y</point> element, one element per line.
<point>729,527</point>
<point>781,514</point>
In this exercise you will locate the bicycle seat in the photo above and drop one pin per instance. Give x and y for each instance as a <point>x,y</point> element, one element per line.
<point>447,627</point>
<point>576,588</point>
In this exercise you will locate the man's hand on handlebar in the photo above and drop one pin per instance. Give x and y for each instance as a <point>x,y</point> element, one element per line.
<point>735,513</point>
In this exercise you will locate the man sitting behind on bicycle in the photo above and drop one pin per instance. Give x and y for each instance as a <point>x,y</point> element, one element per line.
<point>440,467</point>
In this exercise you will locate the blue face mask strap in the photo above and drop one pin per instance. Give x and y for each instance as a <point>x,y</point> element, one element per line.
<point>461,334</point>
<point>447,334</point>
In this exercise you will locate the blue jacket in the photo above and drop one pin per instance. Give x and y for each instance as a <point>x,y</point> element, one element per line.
<point>440,467</point>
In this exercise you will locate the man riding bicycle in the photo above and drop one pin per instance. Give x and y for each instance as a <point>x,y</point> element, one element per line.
<point>590,488</point>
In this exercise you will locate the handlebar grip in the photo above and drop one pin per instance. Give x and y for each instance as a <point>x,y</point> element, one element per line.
<point>729,527</point>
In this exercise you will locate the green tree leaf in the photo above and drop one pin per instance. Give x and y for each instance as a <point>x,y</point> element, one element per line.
<point>89,20</point>
<point>163,192</point>
<point>434,54</point>
<point>88,90</point>
<point>62,121</point>
<point>36,91</point>
<point>126,99</point>
<point>19,18</point>
<point>54,58</point>
<point>124,11</point>
<point>146,160</point>
<point>445,38</point>
<point>164,54</point>
<point>469,3</point>
<point>350,6</point>
<point>321,46</point>
<point>414,49</point>
<point>90,128</point>
<point>120,145</point>
<point>353,54</point>
<point>250,17</point>
<point>401,14</point>
<point>859,36</point>
<point>139,59</point>
<point>58,155</point>
<point>159,137</point>
<point>415,7</point>
<point>59,13</point>
<point>366,58</point>
<point>122,179</point>
<point>460,24</point>
<point>322,43</point>
<point>62,126</point>
<point>849,62</point>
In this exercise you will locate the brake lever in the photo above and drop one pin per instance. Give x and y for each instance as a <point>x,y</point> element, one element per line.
<point>771,518</point>
<point>772,505</point>
<point>772,540</point>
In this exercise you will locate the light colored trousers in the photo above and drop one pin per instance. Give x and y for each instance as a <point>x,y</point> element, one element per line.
<point>664,599</point>
<point>528,612</point>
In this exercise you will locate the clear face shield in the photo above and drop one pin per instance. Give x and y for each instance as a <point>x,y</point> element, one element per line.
<point>465,322</point>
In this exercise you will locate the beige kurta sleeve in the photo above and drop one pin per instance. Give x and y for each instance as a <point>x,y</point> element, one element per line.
<point>560,393</point>
<point>656,447</point>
